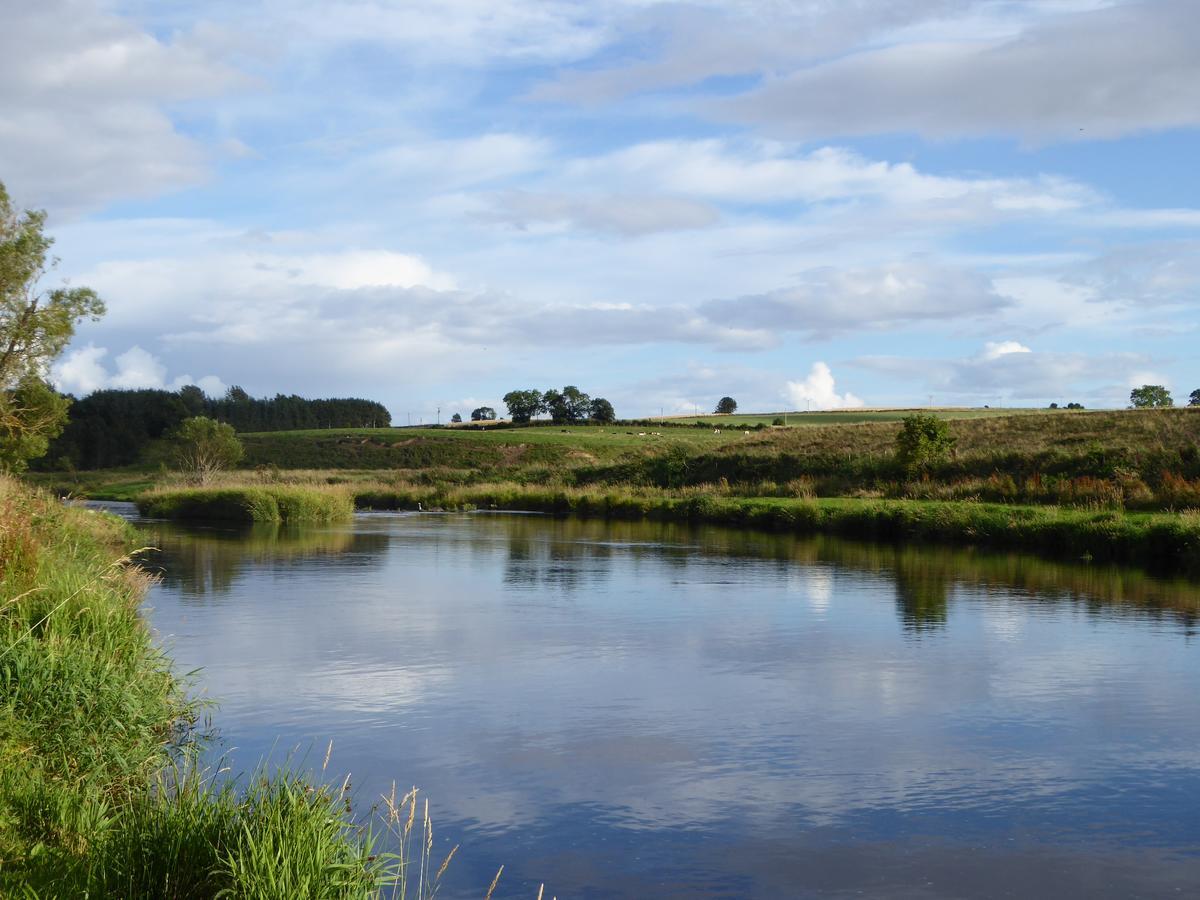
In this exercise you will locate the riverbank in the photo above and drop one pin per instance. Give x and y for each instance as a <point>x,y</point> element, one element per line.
<point>99,792</point>
<point>1159,541</point>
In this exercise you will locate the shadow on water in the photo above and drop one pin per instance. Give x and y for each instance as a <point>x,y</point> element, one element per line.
<point>206,562</point>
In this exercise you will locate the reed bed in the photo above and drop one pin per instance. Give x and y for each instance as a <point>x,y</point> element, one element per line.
<point>257,503</point>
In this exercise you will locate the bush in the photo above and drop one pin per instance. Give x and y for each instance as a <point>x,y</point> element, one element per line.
<point>923,442</point>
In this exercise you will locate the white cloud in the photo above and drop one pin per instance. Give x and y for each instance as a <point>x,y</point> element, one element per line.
<point>138,369</point>
<point>1011,371</point>
<point>1141,276</point>
<point>466,32</point>
<point>616,214</point>
<point>827,301</point>
<point>82,371</point>
<point>85,106</point>
<point>997,349</point>
<point>1097,73</point>
<point>818,391</point>
<point>773,172</point>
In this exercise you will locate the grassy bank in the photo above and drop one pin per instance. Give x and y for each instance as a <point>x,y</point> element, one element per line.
<point>1163,541</point>
<point>258,503</point>
<point>97,794</point>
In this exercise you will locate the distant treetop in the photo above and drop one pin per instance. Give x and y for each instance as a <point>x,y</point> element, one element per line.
<point>1150,396</point>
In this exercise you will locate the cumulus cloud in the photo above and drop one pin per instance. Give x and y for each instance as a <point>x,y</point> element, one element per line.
<point>83,371</point>
<point>997,349</point>
<point>818,391</point>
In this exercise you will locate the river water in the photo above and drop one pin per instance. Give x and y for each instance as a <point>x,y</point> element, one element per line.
<point>656,710</point>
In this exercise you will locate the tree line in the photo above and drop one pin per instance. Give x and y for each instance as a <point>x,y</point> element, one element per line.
<point>113,427</point>
<point>569,406</point>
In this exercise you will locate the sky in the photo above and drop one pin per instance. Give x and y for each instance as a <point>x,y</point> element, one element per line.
<point>799,203</point>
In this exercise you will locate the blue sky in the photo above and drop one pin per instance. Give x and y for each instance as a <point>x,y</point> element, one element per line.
<point>808,204</point>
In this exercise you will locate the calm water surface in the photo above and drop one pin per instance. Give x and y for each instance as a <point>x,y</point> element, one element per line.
<point>654,710</point>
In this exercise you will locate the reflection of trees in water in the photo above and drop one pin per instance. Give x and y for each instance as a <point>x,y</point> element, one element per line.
<point>924,576</point>
<point>571,554</point>
<point>922,594</point>
<point>205,562</point>
<point>558,557</point>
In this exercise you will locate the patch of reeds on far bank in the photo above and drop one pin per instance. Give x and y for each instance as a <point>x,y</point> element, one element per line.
<point>249,503</point>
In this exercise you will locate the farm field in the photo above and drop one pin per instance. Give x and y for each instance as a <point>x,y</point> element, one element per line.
<point>851,416</point>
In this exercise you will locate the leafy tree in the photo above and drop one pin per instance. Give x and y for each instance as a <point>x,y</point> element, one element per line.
<point>483,414</point>
<point>35,327</point>
<point>1054,406</point>
<point>456,418</point>
<point>778,420</point>
<point>602,412</point>
<point>202,447</point>
<point>523,405</point>
<point>1150,396</point>
<point>1194,398</point>
<point>924,440</point>
<point>32,415</point>
<point>1074,406</point>
<point>726,405</point>
<point>568,406</point>
<point>554,404</point>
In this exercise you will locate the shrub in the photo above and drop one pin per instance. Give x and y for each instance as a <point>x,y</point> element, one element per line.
<point>923,442</point>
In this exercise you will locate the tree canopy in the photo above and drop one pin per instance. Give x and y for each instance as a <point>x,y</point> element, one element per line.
<point>570,406</point>
<point>602,412</point>
<point>1194,398</point>
<point>523,405</point>
<point>483,414</point>
<point>1150,396</point>
<point>726,405</point>
<point>35,327</point>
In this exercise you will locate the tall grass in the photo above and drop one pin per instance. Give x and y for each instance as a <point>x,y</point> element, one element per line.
<point>268,503</point>
<point>99,793</point>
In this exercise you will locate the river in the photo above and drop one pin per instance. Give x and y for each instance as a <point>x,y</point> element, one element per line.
<point>655,710</point>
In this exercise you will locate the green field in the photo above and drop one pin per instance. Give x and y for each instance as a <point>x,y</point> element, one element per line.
<point>847,416</point>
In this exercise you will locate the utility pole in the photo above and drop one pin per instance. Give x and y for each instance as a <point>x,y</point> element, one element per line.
<point>439,415</point>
